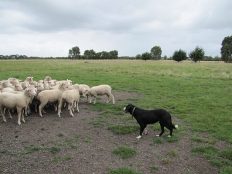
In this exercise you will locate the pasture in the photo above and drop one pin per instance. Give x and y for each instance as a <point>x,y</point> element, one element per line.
<point>101,138</point>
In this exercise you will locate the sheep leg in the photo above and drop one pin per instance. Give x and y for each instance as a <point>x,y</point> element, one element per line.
<point>22,115</point>
<point>25,111</point>
<point>8,110</point>
<point>3,115</point>
<point>41,108</point>
<point>90,99</point>
<point>108,99</point>
<point>70,109</point>
<point>95,99</point>
<point>87,98</point>
<point>73,106</point>
<point>55,107</point>
<point>78,108</point>
<point>59,107</point>
<point>19,111</point>
<point>112,98</point>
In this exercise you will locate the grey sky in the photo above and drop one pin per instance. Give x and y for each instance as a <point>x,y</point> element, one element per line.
<point>51,27</point>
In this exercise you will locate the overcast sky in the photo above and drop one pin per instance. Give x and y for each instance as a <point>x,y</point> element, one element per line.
<point>52,27</point>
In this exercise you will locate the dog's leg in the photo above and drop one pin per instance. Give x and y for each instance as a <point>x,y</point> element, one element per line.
<point>170,132</point>
<point>142,127</point>
<point>162,130</point>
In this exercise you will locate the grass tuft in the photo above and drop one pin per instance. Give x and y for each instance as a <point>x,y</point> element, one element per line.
<point>124,152</point>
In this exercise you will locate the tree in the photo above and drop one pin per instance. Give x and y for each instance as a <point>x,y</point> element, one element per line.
<point>113,54</point>
<point>156,52</point>
<point>146,56</point>
<point>197,54</point>
<point>179,55</point>
<point>89,54</point>
<point>138,56</point>
<point>74,53</point>
<point>104,55</point>
<point>226,49</point>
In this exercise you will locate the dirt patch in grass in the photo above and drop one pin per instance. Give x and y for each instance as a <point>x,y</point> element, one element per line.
<point>72,145</point>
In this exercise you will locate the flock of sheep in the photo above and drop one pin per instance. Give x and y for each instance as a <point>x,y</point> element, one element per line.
<point>21,96</point>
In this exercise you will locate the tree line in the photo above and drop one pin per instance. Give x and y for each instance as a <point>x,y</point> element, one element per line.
<point>74,53</point>
<point>155,53</point>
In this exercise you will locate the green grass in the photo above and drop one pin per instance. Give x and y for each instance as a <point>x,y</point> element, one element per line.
<point>124,152</point>
<point>226,170</point>
<point>197,93</point>
<point>124,129</point>
<point>217,157</point>
<point>123,171</point>
<point>204,140</point>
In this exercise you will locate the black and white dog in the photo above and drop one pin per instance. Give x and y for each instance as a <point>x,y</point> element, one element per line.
<point>145,117</point>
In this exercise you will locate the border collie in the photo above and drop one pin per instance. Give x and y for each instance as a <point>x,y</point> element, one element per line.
<point>145,117</point>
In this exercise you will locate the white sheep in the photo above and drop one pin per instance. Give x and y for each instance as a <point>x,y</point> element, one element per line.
<point>101,90</point>
<point>47,78</point>
<point>72,97</point>
<point>6,83</point>
<point>19,101</point>
<point>29,80</point>
<point>13,81</point>
<point>24,84</point>
<point>68,82</point>
<point>84,90</point>
<point>52,95</point>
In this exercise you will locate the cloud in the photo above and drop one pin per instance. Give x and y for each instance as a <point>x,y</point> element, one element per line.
<point>51,27</point>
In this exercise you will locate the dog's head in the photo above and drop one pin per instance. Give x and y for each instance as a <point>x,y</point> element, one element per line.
<point>128,108</point>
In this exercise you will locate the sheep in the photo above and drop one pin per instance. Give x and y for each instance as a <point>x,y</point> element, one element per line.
<point>47,86</point>
<point>47,78</point>
<point>52,95</point>
<point>40,87</point>
<point>72,97</point>
<point>19,101</point>
<point>84,90</point>
<point>18,87</point>
<point>24,84</point>
<point>101,90</point>
<point>13,89</point>
<point>29,80</point>
<point>6,83</point>
<point>13,81</point>
<point>68,82</point>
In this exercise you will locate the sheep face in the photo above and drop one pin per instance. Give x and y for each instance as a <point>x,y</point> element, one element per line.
<point>31,91</point>
<point>18,87</point>
<point>29,79</point>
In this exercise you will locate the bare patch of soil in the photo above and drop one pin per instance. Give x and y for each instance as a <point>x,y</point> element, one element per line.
<point>73,145</point>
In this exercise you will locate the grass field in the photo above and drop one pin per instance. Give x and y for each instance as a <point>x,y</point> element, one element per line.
<point>198,94</point>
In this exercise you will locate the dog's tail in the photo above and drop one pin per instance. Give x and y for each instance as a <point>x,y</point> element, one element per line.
<point>175,126</point>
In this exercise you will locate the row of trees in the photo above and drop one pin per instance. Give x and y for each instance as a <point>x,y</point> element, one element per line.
<point>195,55</point>
<point>155,54</point>
<point>74,53</point>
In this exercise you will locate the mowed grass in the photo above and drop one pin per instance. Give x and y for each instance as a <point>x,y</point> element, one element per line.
<point>198,93</point>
